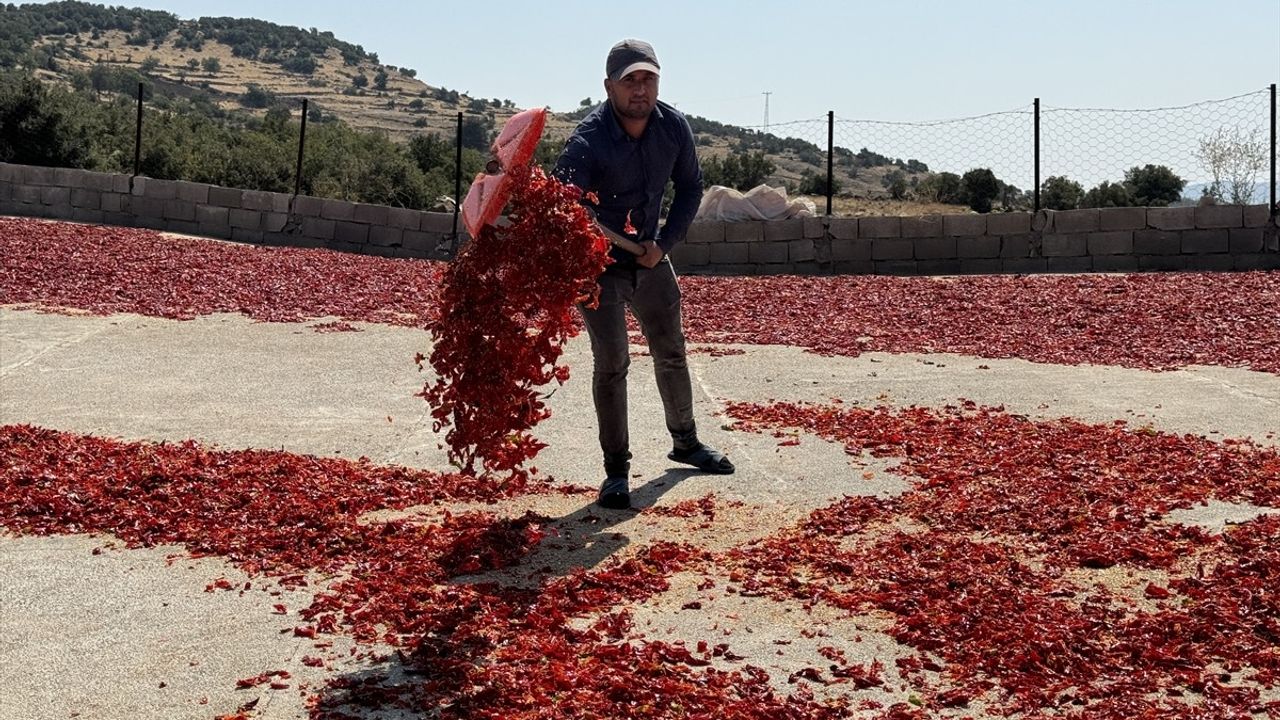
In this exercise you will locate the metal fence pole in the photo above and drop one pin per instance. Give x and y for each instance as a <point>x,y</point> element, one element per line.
<point>831,128</point>
<point>457,181</point>
<point>137,138</point>
<point>302,142</point>
<point>1036,180</point>
<point>1274,209</point>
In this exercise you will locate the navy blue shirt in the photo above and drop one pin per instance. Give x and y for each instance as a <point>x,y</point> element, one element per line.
<point>630,174</point>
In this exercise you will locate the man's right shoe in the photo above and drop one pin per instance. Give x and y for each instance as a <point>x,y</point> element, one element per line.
<point>614,494</point>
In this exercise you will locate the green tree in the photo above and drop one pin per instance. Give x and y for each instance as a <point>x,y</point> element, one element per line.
<point>41,127</point>
<point>1154,185</point>
<point>211,65</point>
<point>360,80</point>
<point>256,96</point>
<point>1060,193</point>
<point>943,187</point>
<point>380,80</point>
<point>149,65</point>
<point>430,151</point>
<point>1108,194</point>
<point>812,183</point>
<point>979,187</point>
<point>895,183</point>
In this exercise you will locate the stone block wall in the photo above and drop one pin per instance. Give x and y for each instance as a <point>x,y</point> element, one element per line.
<point>1227,237</point>
<point>247,216</point>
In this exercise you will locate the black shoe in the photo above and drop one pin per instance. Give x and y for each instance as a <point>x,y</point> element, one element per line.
<point>704,457</point>
<point>614,494</point>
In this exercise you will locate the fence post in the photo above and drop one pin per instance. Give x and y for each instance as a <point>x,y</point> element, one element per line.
<point>302,142</point>
<point>831,127</point>
<point>137,138</point>
<point>1036,180</point>
<point>1274,209</point>
<point>457,183</point>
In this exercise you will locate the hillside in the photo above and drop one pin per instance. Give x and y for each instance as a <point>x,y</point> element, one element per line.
<point>242,67</point>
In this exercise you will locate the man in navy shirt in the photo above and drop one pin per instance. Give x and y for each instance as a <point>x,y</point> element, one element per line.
<point>625,151</point>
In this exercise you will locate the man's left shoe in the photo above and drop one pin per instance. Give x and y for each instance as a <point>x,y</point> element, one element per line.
<point>705,458</point>
<point>614,494</point>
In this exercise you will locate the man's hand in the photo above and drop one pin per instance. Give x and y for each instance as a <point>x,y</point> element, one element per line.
<point>652,254</point>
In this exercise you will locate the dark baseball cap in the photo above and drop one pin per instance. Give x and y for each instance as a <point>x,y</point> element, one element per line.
<point>628,56</point>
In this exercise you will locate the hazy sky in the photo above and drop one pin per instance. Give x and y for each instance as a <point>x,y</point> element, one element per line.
<point>888,60</point>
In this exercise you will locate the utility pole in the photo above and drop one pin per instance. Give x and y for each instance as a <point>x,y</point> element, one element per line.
<point>766,110</point>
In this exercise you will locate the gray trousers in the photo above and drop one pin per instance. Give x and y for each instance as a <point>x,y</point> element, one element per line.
<point>654,299</point>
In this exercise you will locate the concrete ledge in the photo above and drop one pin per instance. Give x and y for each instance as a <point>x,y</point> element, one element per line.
<point>801,251</point>
<point>1122,219</point>
<point>767,252</point>
<point>743,232</point>
<point>926,226</point>
<point>880,227</point>
<point>784,230</point>
<point>850,249</point>
<point>892,249</point>
<point>1008,223</point>
<point>1077,221</point>
<point>843,228</point>
<point>964,225</point>
<point>1219,216</point>
<point>1064,245</point>
<point>1181,218</point>
<point>705,232</point>
<point>937,248</point>
<point>978,247</point>
<point>1116,242</point>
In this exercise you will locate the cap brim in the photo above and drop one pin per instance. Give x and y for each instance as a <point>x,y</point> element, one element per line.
<point>634,67</point>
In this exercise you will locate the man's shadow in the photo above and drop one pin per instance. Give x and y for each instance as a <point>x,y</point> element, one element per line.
<point>582,539</point>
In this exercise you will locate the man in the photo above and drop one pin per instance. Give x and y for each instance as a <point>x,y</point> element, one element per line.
<point>624,152</point>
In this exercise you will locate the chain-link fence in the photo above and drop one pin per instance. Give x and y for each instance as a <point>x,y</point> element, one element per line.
<point>1078,157</point>
<point>1025,158</point>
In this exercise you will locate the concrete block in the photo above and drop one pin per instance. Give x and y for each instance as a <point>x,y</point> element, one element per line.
<point>880,227</point>
<point>246,220</point>
<point>102,182</point>
<point>87,199</point>
<point>986,246</point>
<point>1076,221</point>
<point>225,197</point>
<point>1023,265</point>
<point>245,235</point>
<point>1073,245</point>
<point>1164,262</point>
<point>801,251</point>
<point>1219,216</point>
<point>843,228</point>
<point>120,219</point>
<point>981,266</point>
<point>87,215</point>
<point>809,268</point>
<point>146,207</point>
<point>1157,242</point>
<point>280,202</point>
<point>1213,263</point>
<point>784,230</point>
<point>182,227</point>
<point>308,206</point>
<point>193,192</point>
<point>275,222</point>
<point>1069,264</point>
<point>36,175</point>
<point>740,232</point>
<point>213,215</point>
<point>853,267</point>
<point>1129,218</point>
<point>319,228</point>
<point>214,230</point>
<point>338,210</point>
<point>350,233</point>
<point>815,227</point>
<point>937,248</point>
<point>964,225</point>
<point>10,173</point>
<point>111,202</point>
<point>1020,246</point>
<point>687,254</point>
<point>895,267</point>
<point>441,223</point>
<point>941,266</point>
<point>1259,261</point>
<point>1245,240</point>
<point>1115,242</point>
<point>775,269</point>
<point>346,247</point>
<point>1011,223</point>
<point>1115,263</point>
<point>52,195</point>
<point>404,218</point>
<point>384,236</point>
<point>122,184</point>
<point>1176,218</point>
<point>1256,216</point>
<point>705,231</point>
<point>258,200</point>
<point>767,252</point>
<point>1042,221</point>
<point>179,210</point>
<point>158,189</point>
<point>1206,241</point>
<point>892,249</point>
<point>925,226</point>
<point>151,222</point>
<point>27,194</point>
<point>731,269</point>
<point>850,249</point>
<point>371,214</point>
<point>68,177</point>
<point>730,253</point>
